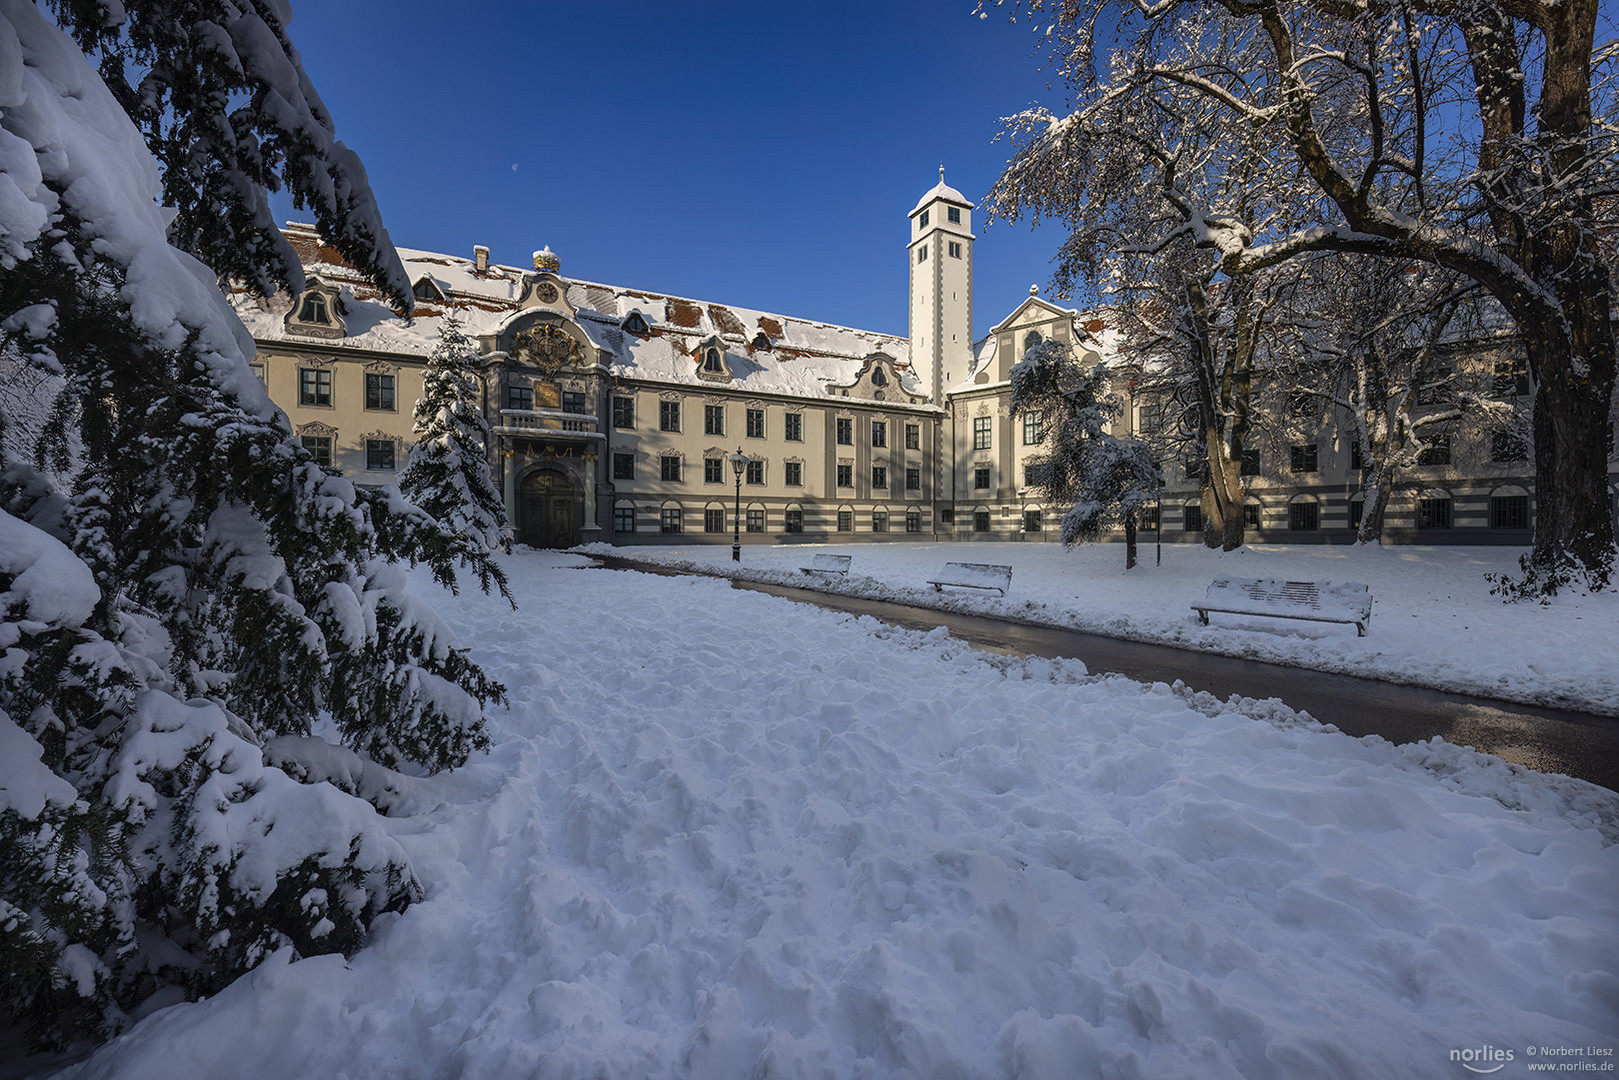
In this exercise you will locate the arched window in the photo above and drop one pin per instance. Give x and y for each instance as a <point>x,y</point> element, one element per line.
<point>314,309</point>
<point>711,360</point>
<point>1032,339</point>
<point>878,378</point>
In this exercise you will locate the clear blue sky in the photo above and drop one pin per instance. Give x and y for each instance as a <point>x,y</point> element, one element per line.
<point>763,153</point>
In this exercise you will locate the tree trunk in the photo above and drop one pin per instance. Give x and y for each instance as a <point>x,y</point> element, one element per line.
<point>1130,539</point>
<point>1375,507</point>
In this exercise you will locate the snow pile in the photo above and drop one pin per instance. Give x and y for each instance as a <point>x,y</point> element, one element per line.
<point>721,835</point>
<point>1434,621</point>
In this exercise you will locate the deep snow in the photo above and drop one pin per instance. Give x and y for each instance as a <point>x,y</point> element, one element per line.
<point>723,835</point>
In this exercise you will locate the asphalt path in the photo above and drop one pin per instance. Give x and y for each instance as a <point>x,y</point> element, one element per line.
<point>1577,744</point>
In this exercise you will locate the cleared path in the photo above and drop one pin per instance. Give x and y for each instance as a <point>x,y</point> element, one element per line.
<point>1548,740</point>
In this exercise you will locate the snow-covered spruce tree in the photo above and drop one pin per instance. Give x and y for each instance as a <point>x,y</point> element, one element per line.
<point>1480,137</point>
<point>1105,479</point>
<point>179,582</point>
<point>448,473</point>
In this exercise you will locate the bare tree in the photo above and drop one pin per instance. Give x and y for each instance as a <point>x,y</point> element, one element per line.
<point>1467,134</point>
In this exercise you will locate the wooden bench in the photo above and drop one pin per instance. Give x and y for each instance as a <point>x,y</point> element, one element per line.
<point>827,564</point>
<point>972,575</point>
<point>1346,602</point>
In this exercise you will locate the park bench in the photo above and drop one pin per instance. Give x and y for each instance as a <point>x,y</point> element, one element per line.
<point>972,575</point>
<point>827,564</point>
<point>1326,601</point>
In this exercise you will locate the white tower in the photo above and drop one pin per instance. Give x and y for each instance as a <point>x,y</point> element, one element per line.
<point>941,254</point>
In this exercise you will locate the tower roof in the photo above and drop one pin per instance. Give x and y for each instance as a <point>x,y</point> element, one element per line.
<point>943,191</point>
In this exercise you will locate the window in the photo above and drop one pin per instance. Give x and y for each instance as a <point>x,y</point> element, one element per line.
<point>955,250</point>
<point>1511,379</point>
<point>913,436</point>
<point>922,254</point>
<point>669,519</point>
<point>1357,456</point>
<point>623,466</point>
<point>756,423</point>
<point>1250,462</point>
<point>258,373</point>
<point>1147,518</point>
<point>792,473</point>
<point>1508,446</point>
<point>1438,390</point>
<point>1437,452</point>
<point>379,391</point>
<point>981,478</point>
<point>913,479</point>
<point>879,476</point>
<point>314,386</point>
<point>923,220</point>
<point>623,412</point>
<point>1303,458</point>
<point>980,521</point>
<point>668,416</point>
<point>947,516</point>
<point>845,521</point>
<point>1192,519</point>
<point>713,419</point>
<point>793,430</point>
<point>1031,339</point>
<point>314,309</point>
<point>1509,511</point>
<point>1034,432</point>
<point>879,433</point>
<point>879,521</point>
<point>756,520</point>
<point>1303,516</point>
<point>795,521</point>
<point>878,378</point>
<point>573,401</point>
<point>1196,467</point>
<point>913,520</point>
<point>711,362</point>
<point>845,431</point>
<point>1433,513</point>
<point>713,470</point>
<point>636,324</point>
<point>1150,416</point>
<point>624,519</point>
<point>713,520</point>
<point>1035,474</point>
<point>1357,512</point>
<point>1250,515</point>
<point>320,446</point>
<point>755,471</point>
<point>671,468</point>
<point>845,476</point>
<point>981,430</point>
<point>1302,406</point>
<point>953,214</point>
<point>1033,521</point>
<point>379,455</point>
<point>519,397</point>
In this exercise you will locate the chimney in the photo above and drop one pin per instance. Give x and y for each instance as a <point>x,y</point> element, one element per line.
<point>480,255</point>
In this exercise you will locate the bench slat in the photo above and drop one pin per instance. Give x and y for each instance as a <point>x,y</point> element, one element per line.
<point>973,576</point>
<point>1332,602</point>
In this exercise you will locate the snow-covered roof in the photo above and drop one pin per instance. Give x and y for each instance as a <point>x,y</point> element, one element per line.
<point>804,356</point>
<point>944,191</point>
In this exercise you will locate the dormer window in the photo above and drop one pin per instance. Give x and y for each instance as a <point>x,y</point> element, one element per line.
<point>314,310</point>
<point>761,341</point>
<point>427,289</point>
<point>712,363</point>
<point>635,323</point>
<point>878,378</point>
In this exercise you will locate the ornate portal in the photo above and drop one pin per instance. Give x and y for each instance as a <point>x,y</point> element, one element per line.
<point>548,348</point>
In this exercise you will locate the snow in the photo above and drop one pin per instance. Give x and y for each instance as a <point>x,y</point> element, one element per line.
<point>723,835</point>
<point>1434,622</point>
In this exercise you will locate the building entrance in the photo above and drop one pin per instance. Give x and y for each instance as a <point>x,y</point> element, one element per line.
<point>549,511</point>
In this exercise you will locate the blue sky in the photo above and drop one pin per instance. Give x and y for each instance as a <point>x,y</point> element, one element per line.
<point>763,154</point>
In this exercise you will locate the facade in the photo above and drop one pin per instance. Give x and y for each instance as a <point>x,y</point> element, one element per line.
<point>617,412</point>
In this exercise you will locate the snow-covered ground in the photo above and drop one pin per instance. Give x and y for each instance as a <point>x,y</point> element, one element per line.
<point>723,835</point>
<point>1434,621</point>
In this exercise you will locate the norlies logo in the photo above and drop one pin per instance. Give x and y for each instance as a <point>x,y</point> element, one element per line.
<point>1475,1060</point>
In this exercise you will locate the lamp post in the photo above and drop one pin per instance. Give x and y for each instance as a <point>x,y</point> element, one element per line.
<point>739,465</point>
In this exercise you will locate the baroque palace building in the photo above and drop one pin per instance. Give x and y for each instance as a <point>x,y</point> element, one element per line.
<point>615,411</point>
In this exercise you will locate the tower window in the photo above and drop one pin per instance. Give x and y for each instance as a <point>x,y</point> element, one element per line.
<point>923,222</point>
<point>954,214</point>
<point>955,250</point>
<point>922,254</point>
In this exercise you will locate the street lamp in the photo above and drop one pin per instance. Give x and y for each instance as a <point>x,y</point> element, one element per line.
<point>739,465</point>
